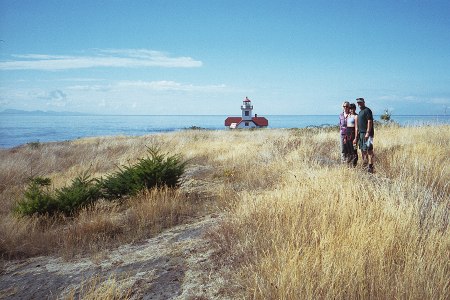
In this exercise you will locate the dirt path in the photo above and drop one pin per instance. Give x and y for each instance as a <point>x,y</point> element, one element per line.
<point>176,264</point>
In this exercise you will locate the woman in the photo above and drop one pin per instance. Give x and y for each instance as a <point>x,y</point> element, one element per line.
<point>351,147</point>
<point>343,130</point>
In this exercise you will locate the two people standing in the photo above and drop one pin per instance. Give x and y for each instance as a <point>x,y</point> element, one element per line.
<point>357,130</point>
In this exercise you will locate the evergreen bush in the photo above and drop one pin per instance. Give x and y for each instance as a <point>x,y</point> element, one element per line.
<point>37,198</point>
<point>120,183</point>
<point>154,170</point>
<point>386,116</point>
<point>83,191</point>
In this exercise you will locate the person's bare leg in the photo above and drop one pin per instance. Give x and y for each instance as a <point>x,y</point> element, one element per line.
<point>370,156</point>
<point>370,159</point>
<point>364,158</point>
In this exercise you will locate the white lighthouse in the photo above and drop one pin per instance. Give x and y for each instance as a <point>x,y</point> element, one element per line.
<point>247,120</point>
<point>246,108</point>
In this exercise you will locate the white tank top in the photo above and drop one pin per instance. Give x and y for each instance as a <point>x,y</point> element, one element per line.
<point>351,121</point>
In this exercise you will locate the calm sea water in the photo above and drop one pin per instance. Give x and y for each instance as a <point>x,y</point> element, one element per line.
<point>21,129</point>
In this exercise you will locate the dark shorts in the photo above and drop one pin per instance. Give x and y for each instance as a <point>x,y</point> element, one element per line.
<point>363,142</point>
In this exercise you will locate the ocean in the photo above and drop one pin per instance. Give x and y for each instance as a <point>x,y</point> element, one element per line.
<point>18,129</point>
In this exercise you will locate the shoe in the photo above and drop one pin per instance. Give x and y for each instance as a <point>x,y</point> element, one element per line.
<point>355,161</point>
<point>370,169</point>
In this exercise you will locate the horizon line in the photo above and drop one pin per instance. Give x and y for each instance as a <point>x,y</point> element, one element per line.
<point>55,113</point>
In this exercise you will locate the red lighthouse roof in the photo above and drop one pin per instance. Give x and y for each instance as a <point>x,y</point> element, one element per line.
<point>247,100</point>
<point>259,121</point>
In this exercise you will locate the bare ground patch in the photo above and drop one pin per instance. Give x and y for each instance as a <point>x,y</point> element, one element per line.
<point>174,264</point>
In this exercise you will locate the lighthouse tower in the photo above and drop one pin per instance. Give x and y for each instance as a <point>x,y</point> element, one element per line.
<point>247,108</point>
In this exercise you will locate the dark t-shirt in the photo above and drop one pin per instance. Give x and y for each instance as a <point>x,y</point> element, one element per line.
<point>363,116</point>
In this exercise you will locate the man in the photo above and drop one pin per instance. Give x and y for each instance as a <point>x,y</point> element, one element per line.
<point>365,133</point>
<point>343,130</point>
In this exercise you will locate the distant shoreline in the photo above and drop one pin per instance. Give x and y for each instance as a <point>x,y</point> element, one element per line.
<point>69,113</point>
<point>42,113</point>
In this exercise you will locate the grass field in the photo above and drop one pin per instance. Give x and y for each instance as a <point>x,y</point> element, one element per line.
<point>297,225</point>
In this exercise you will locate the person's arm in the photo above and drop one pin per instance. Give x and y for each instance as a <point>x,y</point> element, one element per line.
<point>369,127</point>
<point>369,122</point>
<point>356,130</point>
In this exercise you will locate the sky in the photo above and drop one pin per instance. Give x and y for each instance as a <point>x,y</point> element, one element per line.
<point>203,57</point>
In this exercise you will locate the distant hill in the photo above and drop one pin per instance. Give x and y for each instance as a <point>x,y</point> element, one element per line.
<point>41,113</point>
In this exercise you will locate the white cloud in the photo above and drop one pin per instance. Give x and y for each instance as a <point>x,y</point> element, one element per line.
<point>93,87</point>
<point>3,102</point>
<point>126,58</point>
<point>102,103</point>
<point>86,79</point>
<point>416,99</point>
<point>441,100</point>
<point>158,86</point>
<point>164,85</point>
<point>394,97</point>
<point>55,98</point>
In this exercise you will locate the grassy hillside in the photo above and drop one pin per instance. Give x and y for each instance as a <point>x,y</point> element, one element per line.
<point>297,223</point>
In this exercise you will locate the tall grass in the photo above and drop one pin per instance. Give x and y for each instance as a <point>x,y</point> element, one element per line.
<point>97,288</point>
<point>95,227</point>
<point>327,231</point>
<point>297,225</point>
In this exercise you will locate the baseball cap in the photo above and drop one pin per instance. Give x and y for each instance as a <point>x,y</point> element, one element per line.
<point>360,100</point>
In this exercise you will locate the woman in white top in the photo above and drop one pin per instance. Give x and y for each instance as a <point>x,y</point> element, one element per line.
<point>352,120</point>
<point>343,128</point>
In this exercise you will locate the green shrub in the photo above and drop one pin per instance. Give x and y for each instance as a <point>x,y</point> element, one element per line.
<point>386,116</point>
<point>37,198</point>
<point>120,183</point>
<point>154,170</point>
<point>193,127</point>
<point>82,192</point>
<point>34,145</point>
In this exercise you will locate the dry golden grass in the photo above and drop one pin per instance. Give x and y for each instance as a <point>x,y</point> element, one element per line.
<point>97,288</point>
<point>298,224</point>
<point>99,227</point>
<point>329,232</point>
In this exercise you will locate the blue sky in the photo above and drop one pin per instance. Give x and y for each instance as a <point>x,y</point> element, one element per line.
<point>205,56</point>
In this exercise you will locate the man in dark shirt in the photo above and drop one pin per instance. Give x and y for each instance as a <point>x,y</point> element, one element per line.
<point>365,133</point>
